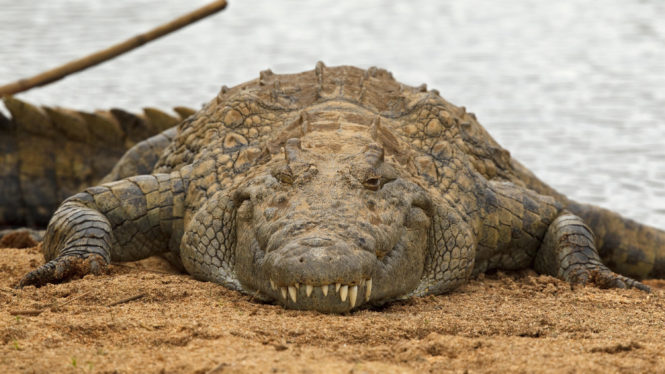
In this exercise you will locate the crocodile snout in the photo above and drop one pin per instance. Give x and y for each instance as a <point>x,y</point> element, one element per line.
<point>322,273</point>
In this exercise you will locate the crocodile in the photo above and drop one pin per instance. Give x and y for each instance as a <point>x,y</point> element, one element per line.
<point>49,153</point>
<point>335,189</point>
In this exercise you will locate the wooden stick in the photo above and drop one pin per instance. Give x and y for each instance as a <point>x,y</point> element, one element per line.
<point>58,305</point>
<point>113,51</point>
<point>127,299</point>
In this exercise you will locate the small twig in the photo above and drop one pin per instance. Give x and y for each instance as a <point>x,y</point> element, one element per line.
<point>27,312</point>
<point>53,306</point>
<point>126,300</point>
<point>113,51</point>
<point>218,368</point>
<point>56,305</point>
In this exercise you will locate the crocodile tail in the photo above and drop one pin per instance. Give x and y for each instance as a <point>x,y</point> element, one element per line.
<point>627,247</point>
<point>48,154</point>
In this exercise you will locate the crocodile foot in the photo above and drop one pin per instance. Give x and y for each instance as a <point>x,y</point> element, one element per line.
<point>64,268</point>
<point>602,277</point>
<point>569,253</point>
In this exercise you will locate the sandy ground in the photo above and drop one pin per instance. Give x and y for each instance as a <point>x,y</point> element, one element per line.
<point>514,322</point>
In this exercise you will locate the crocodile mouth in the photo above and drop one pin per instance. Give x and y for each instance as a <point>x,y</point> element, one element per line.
<point>319,273</point>
<point>325,296</point>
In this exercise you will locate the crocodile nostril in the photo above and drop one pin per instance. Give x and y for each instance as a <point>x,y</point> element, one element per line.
<point>316,242</point>
<point>269,213</point>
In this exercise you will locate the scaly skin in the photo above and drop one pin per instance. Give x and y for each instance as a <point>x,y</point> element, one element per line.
<point>336,188</point>
<point>48,154</point>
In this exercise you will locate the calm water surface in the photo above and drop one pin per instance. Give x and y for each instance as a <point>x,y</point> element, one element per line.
<point>574,89</point>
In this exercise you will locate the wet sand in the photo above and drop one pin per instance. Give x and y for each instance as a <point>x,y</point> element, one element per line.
<point>145,317</point>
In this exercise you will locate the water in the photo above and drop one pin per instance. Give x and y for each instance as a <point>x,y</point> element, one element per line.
<point>574,89</point>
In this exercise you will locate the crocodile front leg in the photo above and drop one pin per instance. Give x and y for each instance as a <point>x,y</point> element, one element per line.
<point>568,252</point>
<point>126,220</point>
<point>520,228</point>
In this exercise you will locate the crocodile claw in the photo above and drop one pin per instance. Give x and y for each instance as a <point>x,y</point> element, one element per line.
<point>608,279</point>
<point>64,268</point>
<point>602,277</point>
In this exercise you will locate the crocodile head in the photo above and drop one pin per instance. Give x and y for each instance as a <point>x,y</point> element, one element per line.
<point>333,224</point>
<point>330,221</point>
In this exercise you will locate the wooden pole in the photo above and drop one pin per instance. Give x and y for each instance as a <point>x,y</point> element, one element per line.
<point>113,51</point>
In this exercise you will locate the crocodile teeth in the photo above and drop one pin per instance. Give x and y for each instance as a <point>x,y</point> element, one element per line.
<point>353,294</point>
<point>292,293</point>
<point>343,291</point>
<point>272,285</point>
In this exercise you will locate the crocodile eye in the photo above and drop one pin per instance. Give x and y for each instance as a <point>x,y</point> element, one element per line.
<point>284,175</point>
<point>286,178</point>
<point>373,183</point>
